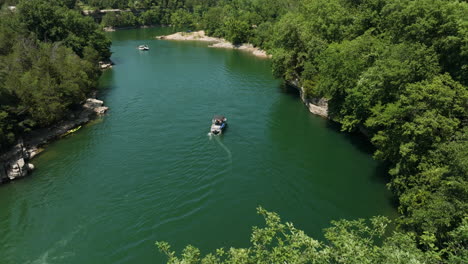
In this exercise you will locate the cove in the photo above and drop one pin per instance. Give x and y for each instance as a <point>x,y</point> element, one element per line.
<point>148,171</point>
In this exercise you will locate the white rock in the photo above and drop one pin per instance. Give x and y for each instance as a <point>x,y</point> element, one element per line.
<point>20,163</point>
<point>92,103</point>
<point>30,166</point>
<point>33,153</point>
<point>104,66</point>
<point>18,169</point>
<point>101,110</point>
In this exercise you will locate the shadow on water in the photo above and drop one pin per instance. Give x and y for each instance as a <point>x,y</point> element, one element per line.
<point>234,64</point>
<point>356,138</point>
<point>362,142</point>
<point>106,83</point>
<point>290,90</point>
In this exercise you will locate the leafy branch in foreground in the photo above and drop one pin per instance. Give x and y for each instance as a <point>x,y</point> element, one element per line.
<point>354,241</point>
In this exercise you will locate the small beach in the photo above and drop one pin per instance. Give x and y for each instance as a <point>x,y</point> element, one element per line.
<point>217,42</point>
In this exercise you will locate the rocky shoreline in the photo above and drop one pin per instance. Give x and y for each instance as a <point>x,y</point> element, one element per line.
<point>317,106</point>
<point>103,65</point>
<point>217,42</point>
<point>15,163</point>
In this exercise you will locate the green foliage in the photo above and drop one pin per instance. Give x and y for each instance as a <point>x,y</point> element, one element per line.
<point>348,242</point>
<point>236,31</point>
<point>182,19</point>
<point>387,70</point>
<point>150,17</point>
<point>179,13</point>
<point>48,63</point>
<point>399,70</point>
<point>439,24</point>
<point>53,23</point>
<point>413,132</point>
<point>396,68</point>
<point>213,21</point>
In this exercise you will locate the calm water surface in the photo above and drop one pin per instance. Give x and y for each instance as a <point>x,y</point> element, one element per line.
<point>148,171</point>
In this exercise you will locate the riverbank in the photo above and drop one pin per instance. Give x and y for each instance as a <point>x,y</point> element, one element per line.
<point>113,29</point>
<point>151,161</point>
<point>317,106</point>
<point>217,42</point>
<point>16,162</point>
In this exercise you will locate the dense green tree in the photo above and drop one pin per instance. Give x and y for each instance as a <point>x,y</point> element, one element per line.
<point>288,51</point>
<point>348,242</point>
<point>150,17</point>
<point>397,69</point>
<point>417,133</point>
<point>111,20</point>
<point>356,75</point>
<point>44,19</point>
<point>212,21</point>
<point>48,63</point>
<point>236,31</point>
<point>53,23</point>
<point>182,19</point>
<point>52,80</point>
<point>439,24</point>
<point>427,113</point>
<point>121,19</point>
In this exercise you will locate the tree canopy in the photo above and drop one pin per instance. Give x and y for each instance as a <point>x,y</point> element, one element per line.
<point>48,63</point>
<point>356,241</point>
<point>395,69</point>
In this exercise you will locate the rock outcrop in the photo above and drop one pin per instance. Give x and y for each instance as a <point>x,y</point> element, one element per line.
<point>317,106</point>
<point>19,168</point>
<point>15,164</point>
<point>105,65</point>
<point>95,106</point>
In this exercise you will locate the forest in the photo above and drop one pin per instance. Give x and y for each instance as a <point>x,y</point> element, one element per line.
<point>395,70</point>
<point>49,58</point>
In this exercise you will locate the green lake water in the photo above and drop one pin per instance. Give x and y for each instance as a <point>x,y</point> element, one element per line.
<point>148,170</point>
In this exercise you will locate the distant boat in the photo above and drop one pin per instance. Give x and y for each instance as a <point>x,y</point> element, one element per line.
<point>143,47</point>
<point>218,124</point>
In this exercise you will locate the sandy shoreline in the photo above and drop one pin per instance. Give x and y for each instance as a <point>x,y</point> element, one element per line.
<point>217,42</point>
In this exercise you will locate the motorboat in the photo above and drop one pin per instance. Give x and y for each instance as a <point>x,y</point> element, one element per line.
<point>218,124</point>
<point>143,47</point>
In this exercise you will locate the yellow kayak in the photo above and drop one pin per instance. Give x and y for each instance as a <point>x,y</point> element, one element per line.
<point>72,131</point>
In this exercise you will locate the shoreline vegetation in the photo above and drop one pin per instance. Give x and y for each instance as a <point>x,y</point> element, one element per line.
<point>51,57</point>
<point>316,105</point>
<point>16,161</point>
<point>396,69</point>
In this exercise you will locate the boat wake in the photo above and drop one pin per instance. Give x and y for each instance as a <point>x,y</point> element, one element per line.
<point>221,144</point>
<point>225,148</point>
<point>48,256</point>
